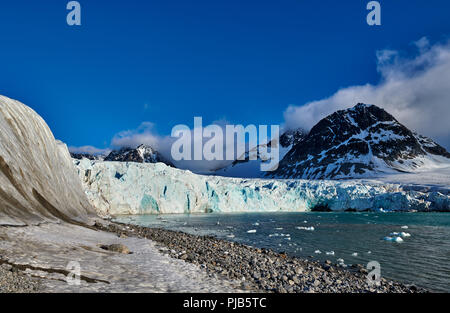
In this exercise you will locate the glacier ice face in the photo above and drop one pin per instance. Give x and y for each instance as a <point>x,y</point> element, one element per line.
<point>119,188</point>
<point>37,180</point>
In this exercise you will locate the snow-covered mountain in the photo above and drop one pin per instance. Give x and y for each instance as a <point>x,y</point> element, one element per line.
<point>248,168</point>
<point>141,154</point>
<point>37,180</point>
<point>364,141</point>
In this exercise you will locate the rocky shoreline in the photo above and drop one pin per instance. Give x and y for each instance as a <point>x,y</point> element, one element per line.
<point>260,270</point>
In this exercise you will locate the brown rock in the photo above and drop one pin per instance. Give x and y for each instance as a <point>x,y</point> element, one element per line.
<point>119,248</point>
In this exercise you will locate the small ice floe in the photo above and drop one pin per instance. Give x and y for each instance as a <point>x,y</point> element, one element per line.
<point>305,228</point>
<point>401,234</point>
<point>404,227</point>
<point>329,252</point>
<point>251,231</point>
<point>256,224</point>
<point>317,252</point>
<point>274,235</point>
<point>288,238</point>
<point>340,263</point>
<point>230,236</point>
<point>369,252</point>
<point>393,239</point>
<point>355,254</point>
<point>305,222</point>
<point>279,228</point>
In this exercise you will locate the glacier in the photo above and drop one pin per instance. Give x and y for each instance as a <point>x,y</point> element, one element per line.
<point>37,180</point>
<point>126,188</point>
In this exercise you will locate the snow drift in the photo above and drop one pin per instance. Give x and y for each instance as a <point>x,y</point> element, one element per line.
<point>37,180</point>
<point>118,188</point>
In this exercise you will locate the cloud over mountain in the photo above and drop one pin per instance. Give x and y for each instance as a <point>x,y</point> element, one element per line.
<point>414,89</point>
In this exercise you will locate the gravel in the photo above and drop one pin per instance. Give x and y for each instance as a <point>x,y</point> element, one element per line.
<point>260,270</point>
<point>12,280</point>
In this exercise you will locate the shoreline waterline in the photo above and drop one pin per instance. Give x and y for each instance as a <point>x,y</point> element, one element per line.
<point>260,269</point>
<point>419,257</point>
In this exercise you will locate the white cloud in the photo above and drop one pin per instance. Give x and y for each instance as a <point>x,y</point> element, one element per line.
<point>415,90</point>
<point>144,134</point>
<point>89,150</point>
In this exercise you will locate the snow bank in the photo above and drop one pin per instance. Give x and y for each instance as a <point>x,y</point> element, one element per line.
<point>37,180</point>
<point>131,188</point>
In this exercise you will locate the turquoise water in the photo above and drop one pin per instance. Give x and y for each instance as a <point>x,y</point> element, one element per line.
<point>422,259</point>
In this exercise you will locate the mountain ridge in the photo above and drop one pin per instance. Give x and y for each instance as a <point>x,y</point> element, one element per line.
<point>358,142</point>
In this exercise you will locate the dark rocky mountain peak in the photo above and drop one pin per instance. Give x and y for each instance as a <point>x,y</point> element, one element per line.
<point>357,142</point>
<point>140,154</point>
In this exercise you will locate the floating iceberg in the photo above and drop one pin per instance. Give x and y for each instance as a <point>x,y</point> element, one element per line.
<point>393,239</point>
<point>401,234</point>
<point>305,228</point>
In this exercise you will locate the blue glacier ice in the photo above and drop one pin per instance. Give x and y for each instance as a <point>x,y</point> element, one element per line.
<point>120,188</point>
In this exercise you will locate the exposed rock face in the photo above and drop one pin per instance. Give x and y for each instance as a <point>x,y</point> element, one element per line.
<point>291,137</point>
<point>37,180</point>
<point>359,142</point>
<point>80,156</point>
<point>141,154</point>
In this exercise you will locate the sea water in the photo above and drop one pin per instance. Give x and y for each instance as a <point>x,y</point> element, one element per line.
<point>420,257</point>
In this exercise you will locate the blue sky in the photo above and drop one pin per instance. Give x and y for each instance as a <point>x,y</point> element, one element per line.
<point>167,61</point>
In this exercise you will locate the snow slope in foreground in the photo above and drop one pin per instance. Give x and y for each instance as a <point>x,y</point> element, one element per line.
<point>54,246</point>
<point>130,188</point>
